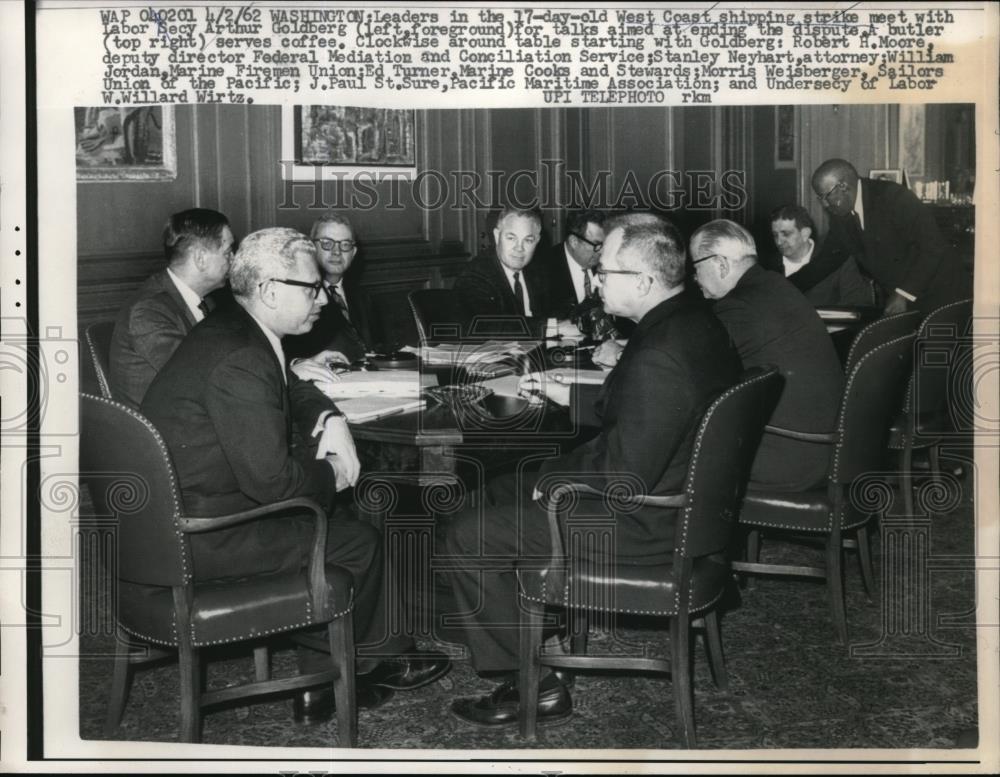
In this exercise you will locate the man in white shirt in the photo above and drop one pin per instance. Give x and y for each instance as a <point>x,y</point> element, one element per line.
<point>826,273</point>
<point>198,244</point>
<point>571,263</point>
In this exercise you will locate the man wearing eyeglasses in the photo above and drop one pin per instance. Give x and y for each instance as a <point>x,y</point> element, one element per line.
<point>198,244</point>
<point>343,331</point>
<point>771,322</point>
<point>570,263</point>
<point>892,236</point>
<point>676,362</point>
<point>229,411</point>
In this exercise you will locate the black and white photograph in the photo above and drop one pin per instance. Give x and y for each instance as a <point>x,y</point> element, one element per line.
<point>600,427</point>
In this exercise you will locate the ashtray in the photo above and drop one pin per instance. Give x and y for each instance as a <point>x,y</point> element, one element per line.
<point>502,406</point>
<point>397,360</point>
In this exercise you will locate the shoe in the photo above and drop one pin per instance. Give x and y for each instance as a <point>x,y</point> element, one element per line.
<point>408,671</point>
<point>319,704</point>
<point>500,708</point>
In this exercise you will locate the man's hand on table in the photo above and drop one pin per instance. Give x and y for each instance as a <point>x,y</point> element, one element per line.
<point>337,446</point>
<point>318,368</point>
<point>607,354</point>
<point>895,304</point>
<point>535,386</point>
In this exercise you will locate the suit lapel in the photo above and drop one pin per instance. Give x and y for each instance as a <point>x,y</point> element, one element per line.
<point>182,309</point>
<point>508,305</point>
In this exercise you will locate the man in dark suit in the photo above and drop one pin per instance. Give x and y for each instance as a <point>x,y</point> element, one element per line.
<point>344,326</point>
<point>826,273</point>
<point>198,244</point>
<point>893,236</point>
<point>772,323</point>
<point>677,361</point>
<point>570,264</point>
<point>225,405</point>
<point>503,286</point>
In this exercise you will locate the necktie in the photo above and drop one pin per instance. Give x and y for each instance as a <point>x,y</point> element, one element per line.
<point>203,307</point>
<point>857,233</point>
<point>587,288</point>
<point>339,301</point>
<point>518,293</point>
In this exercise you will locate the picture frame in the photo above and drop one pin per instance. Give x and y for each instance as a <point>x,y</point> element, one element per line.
<point>786,137</point>
<point>894,175</point>
<point>133,143</point>
<point>330,142</point>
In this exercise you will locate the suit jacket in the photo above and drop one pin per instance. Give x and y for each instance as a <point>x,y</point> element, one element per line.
<point>484,291</point>
<point>678,359</point>
<point>772,323</point>
<point>562,292</point>
<point>901,246</point>
<point>147,332</point>
<point>332,331</point>
<point>225,413</point>
<point>832,277</point>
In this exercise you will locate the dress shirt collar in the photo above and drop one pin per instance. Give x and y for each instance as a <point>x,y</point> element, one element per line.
<point>859,206</point>
<point>793,267</point>
<point>576,273</point>
<point>190,297</point>
<point>524,285</point>
<point>275,342</point>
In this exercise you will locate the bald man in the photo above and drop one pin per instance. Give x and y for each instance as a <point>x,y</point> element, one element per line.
<point>892,236</point>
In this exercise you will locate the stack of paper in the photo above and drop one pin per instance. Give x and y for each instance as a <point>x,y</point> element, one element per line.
<point>369,408</point>
<point>388,383</point>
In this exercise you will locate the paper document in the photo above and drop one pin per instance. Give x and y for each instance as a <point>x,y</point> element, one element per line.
<point>362,409</point>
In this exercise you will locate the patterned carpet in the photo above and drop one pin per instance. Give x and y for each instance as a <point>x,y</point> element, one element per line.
<point>790,684</point>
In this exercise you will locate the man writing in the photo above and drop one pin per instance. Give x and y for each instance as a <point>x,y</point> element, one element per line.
<point>826,273</point>
<point>198,244</point>
<point>677,360</point>
<point>225,406</point>
<point>892,236</point>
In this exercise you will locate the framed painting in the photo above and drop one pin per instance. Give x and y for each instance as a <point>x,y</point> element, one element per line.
<point>896,176</point>
<point>338,140</point>
<point>786,136</point>
<point>125,144</point>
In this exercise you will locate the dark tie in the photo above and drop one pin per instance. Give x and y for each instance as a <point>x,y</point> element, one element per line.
<point>340,302</point>
<point>518,293</point>
<point>857,233</point>
<point>587,288</point>
<point>203,307</point>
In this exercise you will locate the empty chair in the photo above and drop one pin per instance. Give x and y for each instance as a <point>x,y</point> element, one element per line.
<point>161,604</point>
<point>437,313</point>
<point>941,362</point>
<point>96,367</point>
<point>872,394</point>
<point>692,583</point>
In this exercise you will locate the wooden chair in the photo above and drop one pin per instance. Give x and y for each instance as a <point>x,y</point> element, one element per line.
<point>693,582</point>
<point>871,398</point>
<point>97,368</point>
<point>162,605</point>
<point>926,415</point>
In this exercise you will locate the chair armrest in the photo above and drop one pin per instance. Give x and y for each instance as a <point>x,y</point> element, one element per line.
<point>317,554</point>
<point>826,438</point>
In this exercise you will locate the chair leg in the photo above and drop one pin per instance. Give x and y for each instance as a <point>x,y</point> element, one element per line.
<point>530,667</point>
<point>713,645</point>
<point>341,635</point>
<point>579,625</point>
<point>865,559</point>
<point>753,554</point>
<point>906,478</point>
<point>680,671</point>
<point>835,584</point>
<point>261,663</point>
<point>121,682</point>
<point>190,675</point>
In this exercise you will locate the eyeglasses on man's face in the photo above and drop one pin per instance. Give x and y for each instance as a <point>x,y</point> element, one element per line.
<point>596,245</point>
<point>316,287</point>
<point>603,272</point>
<point>338,246</point>
<point>825,198</point>
<point>695,262</point>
